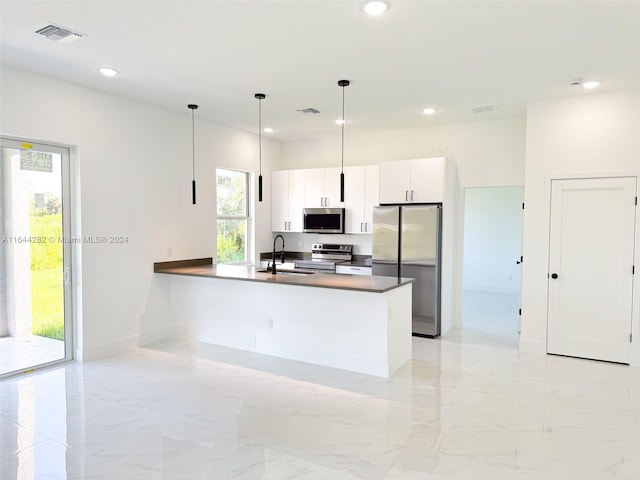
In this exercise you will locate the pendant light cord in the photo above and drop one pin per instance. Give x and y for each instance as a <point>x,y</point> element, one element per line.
<point>193,145</point>
<point>260,131</point>
<point>192,107</point>
<point>343,122</point>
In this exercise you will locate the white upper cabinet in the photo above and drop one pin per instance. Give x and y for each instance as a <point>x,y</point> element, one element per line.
<point>354,185</point>
<point>287,200</point>
<point>395,181</point>
<point>412,181</point>
<point>361,195</point>
<point>294,190</point>
<point>371,194</point>
<point>279,200</point>
<point>322,188</point>
<point>296,199</point>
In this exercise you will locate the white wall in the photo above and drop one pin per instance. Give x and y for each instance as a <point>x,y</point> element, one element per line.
<point>492,239</point>
<point>131,164</point>
<point>486,153</point>
<point>589,135</point>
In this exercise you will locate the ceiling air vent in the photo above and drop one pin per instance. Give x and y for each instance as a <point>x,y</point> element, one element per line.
<point>59,34</point>
<point>485,109</point>
<point>308,110</point>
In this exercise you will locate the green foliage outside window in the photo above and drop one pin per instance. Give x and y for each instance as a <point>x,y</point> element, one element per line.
<point>47,292</point>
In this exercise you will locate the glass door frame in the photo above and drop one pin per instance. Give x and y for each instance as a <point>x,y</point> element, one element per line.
<point>67,251</point>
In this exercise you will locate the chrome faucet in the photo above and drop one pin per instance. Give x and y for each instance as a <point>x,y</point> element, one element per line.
<point>273,258</point>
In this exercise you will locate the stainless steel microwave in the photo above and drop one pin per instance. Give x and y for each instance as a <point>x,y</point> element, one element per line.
<point>323,220</point>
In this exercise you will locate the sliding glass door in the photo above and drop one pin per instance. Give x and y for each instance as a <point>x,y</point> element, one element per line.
<point>35,256</point>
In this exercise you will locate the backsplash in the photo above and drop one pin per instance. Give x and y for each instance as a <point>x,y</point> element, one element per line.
<point>303,241</point>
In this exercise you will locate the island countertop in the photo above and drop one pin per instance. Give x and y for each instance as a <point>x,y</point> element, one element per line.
<point>204,267</point>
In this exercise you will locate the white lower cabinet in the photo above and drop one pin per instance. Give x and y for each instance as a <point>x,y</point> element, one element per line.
<point>353,270</point>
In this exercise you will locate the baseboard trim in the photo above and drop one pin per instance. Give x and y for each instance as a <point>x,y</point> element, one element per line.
<point>167,333</point>
<point>106,349</point>
<point>128,343</point>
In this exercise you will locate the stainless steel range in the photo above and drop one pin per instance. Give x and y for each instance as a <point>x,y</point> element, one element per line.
<point>325,256</point>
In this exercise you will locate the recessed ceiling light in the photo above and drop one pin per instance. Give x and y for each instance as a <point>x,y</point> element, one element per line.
<point>340,121</point>
<point>108,72</point>
<point>429,111</point>
<point>591,84</point>
<point>375,8</point>
<point>268,130</point>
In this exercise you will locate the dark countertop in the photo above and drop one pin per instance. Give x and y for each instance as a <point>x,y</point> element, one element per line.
<point>204,267</point>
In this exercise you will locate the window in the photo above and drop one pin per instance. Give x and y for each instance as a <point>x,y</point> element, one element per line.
<point>233,215</point>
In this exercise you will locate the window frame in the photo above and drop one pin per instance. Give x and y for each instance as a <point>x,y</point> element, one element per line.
<point>247,218</point>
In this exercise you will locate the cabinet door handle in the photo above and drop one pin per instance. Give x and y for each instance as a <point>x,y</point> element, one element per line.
<point>412,195</point>
<point>406,195</point>
<point>366,226</point>
<point>326,201</point>
<point>361,227</point>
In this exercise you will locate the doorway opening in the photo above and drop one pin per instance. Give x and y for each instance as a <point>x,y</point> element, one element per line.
<point>35,259</point>
<point>491,263</point>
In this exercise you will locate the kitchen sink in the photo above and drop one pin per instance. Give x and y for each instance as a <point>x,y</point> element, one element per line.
<point>287,272</point>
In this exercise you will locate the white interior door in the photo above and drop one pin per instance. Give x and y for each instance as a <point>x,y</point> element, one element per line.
<point>590,268</point>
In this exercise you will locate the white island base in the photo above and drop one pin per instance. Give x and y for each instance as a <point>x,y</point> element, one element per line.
<point>367,332</point>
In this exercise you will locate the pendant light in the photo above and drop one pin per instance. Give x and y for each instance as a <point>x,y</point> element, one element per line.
<point>260,97</point>
<point>342,83</point>
<point>193,107</point>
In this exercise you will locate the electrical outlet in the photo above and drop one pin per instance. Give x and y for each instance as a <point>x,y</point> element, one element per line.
<point>510,277</point>
<point>169,251</point>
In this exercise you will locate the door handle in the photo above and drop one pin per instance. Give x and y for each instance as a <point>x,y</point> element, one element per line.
<point>412,195</point>
<point>361,227</point>
<point>366,226</point>
<point>554,275</point>
<point>406,195</point>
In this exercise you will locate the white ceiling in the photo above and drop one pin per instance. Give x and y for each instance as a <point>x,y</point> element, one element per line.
<point>453,55</point>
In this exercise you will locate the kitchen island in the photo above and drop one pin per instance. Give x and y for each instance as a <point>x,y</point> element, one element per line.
<point>352,322</point>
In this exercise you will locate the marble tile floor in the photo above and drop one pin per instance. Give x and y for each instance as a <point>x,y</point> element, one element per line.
<point>24,351</point>
<point>465,408</point>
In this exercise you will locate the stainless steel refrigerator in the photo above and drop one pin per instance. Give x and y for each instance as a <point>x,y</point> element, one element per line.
<point>406,243</point>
